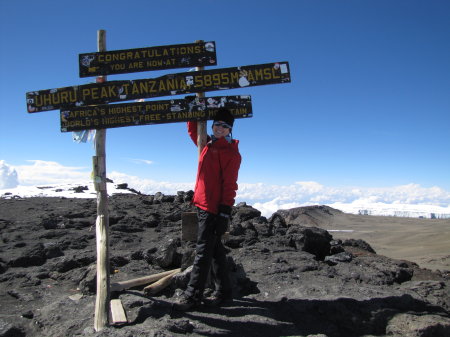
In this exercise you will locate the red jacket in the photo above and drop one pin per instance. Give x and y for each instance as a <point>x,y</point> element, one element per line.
<point>217,173</point>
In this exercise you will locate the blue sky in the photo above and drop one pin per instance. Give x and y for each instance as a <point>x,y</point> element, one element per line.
<point>368,106</point>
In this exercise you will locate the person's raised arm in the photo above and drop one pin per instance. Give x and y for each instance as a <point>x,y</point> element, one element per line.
<point>192,130</point>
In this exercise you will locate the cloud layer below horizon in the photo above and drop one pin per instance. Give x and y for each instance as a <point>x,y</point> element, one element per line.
<point>266,198</point>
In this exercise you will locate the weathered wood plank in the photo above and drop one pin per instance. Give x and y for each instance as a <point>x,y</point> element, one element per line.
<point>118,286</point>
<point>117,312</point>
<point>156,287</point>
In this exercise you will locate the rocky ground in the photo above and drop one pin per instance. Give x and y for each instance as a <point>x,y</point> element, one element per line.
<point>291,278</point>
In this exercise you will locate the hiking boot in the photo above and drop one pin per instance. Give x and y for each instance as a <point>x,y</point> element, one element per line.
<point>185,303</point>
<point>217,299</point>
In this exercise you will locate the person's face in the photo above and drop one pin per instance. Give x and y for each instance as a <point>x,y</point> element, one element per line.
<point>221,129</point>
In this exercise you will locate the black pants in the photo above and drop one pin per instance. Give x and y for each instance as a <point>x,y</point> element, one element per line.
<point>210,252</point>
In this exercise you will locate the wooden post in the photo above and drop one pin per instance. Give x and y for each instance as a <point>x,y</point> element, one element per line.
<point>189,224</point>
<point>189,221</point>
<point>119,286</point>
<point>161,284</point>
<point>201,125</point>
<point>102,303</point>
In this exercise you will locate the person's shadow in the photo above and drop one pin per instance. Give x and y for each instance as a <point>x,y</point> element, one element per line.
<point>333,318</point>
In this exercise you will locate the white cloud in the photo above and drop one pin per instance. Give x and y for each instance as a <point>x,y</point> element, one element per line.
<point>270,207</point>
<point>266,198</point>
<point>8,176</point>
<point>378,200</point>
<point>51,173</point>
<point>313,193</point>
<point>394,209</point>
<point>149,186</point>
<point>142,161</point>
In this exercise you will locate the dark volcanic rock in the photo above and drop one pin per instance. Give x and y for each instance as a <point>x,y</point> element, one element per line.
<point>290,278</point>
<point>35,256</point>
<point>9,330</point>
<point>167,254</point>
<point>88,280</point>
<point>310,239</point>
<point>80,189</point>
<point>339,257</point>
<point>360,244</point>
<point>244,212</point>
<point>307,216</point>
<point>53,250</point>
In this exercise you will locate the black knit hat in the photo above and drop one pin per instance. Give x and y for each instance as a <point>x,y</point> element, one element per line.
<point>224,115</point>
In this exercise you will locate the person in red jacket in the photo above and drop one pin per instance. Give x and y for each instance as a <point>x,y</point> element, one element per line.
<point>214,194</point>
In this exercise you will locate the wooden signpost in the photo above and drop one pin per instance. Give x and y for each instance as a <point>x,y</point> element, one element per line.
<point>102,304</point>
<point>152,112</point>
<point>86,107</point>
<point>174,84</point>
<point>201,125</point>
<point>145,59</point>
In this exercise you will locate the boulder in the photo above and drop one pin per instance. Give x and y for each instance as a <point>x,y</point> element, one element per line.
<point>414,325</point>
<point>309,239</point>
<point>10,330</point>
<point>167,255</point>
<point>35,256</point>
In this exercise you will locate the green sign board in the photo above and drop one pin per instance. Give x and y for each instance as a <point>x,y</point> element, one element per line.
<point>172,84</point>
<point>152,112</point>
<point>144,59</point>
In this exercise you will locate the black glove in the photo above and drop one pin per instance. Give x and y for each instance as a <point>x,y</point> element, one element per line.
<point>223,220</point>
<point>222,224</point>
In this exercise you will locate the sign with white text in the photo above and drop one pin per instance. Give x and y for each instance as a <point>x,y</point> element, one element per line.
<point>152,112</point>
<point>172,84</point>
<point>144,59</point>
